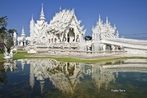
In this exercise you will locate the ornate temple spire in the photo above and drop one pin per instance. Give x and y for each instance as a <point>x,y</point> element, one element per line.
<point>99,18</point>
<point>60,8</point>
<point>117,34</point>
<point>114,26</point>
<point>22,32</point>
<point>42,14</point>
<point>32,20</point>
<point>32,17</point>
<point>107,22</point>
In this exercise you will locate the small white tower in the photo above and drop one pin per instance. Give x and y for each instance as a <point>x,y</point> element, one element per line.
<point>14,38</point>
<point>22,33</point>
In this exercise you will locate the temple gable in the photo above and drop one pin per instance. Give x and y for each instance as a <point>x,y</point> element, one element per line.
<point>66,27</point>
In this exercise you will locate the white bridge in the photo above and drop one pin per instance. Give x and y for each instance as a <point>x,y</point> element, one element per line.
<point>126,43</point>
<point>131,46</point>
<point>108,37</point>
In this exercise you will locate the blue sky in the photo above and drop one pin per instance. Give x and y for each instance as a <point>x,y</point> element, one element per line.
<point>129,16</point>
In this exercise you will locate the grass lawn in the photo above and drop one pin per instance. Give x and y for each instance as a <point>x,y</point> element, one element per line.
<point>25,55</point>
<point>1,57</point>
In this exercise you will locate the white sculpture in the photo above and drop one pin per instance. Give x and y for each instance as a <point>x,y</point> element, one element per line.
<point>104,30</point>
<point>5,52</point>
<point>7,55</point>
<point>11,54</point>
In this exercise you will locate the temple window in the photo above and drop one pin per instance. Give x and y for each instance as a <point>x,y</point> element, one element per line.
<point>55,40</point>
<point>71,35</point>
<point>49,40</point>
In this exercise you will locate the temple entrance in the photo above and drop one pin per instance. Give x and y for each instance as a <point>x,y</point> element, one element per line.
<point>68,38</point>
<point>71,35</point>
<point>23,43</point>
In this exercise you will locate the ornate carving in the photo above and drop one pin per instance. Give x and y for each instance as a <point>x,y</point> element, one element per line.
<point>104,30</point>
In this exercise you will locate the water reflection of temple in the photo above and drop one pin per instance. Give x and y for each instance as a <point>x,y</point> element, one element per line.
<point>102,77</point>
<point>10,66</point>
<point>65,76</point>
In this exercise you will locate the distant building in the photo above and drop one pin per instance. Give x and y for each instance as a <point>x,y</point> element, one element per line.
<point>23,40</point>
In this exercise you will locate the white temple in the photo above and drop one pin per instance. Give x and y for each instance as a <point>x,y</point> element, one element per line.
<point>64,31</point>
<point>64,34</point>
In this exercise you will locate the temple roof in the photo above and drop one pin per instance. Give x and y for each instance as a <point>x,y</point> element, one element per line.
<point>105,29</point>
<point>62,20</point>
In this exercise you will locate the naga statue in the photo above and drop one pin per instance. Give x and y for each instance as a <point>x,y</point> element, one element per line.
<point>8,56</point>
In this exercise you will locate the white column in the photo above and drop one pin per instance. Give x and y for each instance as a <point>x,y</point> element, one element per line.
<point>21,43</point>
<point>75,38</point>
<point>113,47</point>
<point>18,43</point>
<point>104,47</point>
<point>66,36</point>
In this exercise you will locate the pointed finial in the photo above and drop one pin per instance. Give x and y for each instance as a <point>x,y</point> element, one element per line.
<point>73,9</point>
<point>32,17</point>
<point>22,28</point>
<point>107,20</point>
<point>114,26</point>
<point>117,34</point>
<point>42,14</point>
<point>99,18</point>
<point>42,8</point>
<point>22,32</point>
<point>60,8</point>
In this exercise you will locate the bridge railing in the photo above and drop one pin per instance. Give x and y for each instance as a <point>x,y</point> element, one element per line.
<point>126,43</point>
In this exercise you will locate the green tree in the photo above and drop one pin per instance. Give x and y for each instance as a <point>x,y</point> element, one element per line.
<point>6,36</point>
<point>3,22</point>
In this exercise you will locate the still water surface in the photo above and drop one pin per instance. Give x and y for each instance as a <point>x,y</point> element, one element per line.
<point>45,78</point>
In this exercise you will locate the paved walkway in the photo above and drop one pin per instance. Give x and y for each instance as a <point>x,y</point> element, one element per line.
<point>86,56</point>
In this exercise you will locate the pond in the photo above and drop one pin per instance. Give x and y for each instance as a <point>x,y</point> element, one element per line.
<point>46,78</point>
